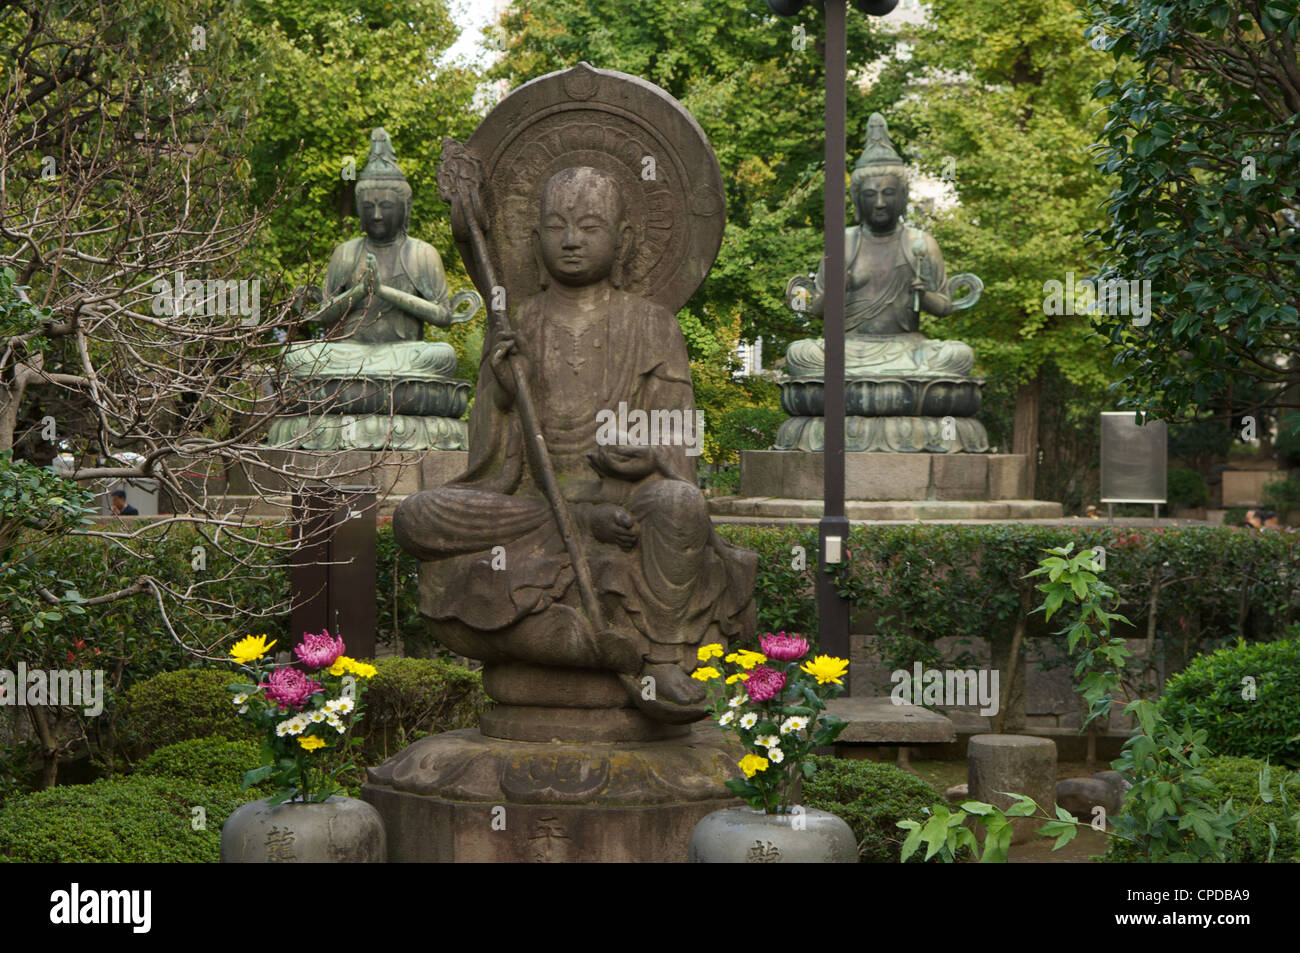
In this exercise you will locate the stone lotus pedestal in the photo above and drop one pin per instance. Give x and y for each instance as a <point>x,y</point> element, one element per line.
<point>884,413</point>
<point>371,413</point>
<point>562,771</point>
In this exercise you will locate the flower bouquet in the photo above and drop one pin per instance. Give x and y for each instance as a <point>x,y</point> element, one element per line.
<point>304,714</point>
<point>776,709</point>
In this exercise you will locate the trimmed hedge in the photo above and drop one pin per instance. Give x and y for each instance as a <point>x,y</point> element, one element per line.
<point>872,798</point>
<point>123,820</point>
<point>915,584</point>
<point>410,698</point>
<point>177,706</point>
<point>213,761</point>
<point>1209,694</point>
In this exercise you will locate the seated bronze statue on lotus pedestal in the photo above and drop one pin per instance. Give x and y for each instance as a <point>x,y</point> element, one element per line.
<point>374,383</point>
<point>903,391</point>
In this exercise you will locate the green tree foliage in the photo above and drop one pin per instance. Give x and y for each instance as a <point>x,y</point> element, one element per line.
<point>1004,115</point>
<point>1204,145</point>
<point>330,72</point>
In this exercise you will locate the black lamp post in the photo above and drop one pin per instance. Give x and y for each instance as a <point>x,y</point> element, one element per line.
<point>833,530</point>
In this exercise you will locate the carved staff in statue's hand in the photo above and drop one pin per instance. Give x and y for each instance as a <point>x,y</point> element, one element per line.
<point>459,179</point>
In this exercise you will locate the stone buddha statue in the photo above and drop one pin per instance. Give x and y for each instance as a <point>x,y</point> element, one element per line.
<point>374,382</point>
<point>904,391</point>
<point>492,555</point>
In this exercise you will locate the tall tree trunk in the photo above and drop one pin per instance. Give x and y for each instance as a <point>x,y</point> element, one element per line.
<point>1025,431</point>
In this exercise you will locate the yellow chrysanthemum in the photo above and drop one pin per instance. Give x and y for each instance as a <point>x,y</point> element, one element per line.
<point>340,666</point>
<point>706,652</point>
<point>738,677</point>
<point>311,743</point>
<point>826,668</point>
<point>705,673</point>
<point>751,764</point>
<point>362,669</point>
<point>250,648</point>
<point>747,659</point>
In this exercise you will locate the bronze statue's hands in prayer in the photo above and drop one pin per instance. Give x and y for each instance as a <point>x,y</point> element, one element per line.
<point>611,523</point>
<point>370,280</point>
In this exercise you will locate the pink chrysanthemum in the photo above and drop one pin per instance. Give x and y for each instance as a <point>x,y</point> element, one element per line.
<point>319,651</point>
<point>764,684</point>
<point>782,647</point>
<point>289,688</point>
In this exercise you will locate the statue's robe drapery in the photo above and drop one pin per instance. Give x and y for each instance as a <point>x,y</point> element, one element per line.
<point>678,581</point>
<point>880,323</point>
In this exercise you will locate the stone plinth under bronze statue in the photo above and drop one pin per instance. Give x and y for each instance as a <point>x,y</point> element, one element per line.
<point>376,384</point>
<point>582,570</point>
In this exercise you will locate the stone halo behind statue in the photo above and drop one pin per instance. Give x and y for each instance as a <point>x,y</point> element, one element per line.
<point>627,128</point>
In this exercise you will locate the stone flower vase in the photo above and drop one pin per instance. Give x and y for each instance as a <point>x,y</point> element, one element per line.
<point>742,835</point>
<point>339,830</point>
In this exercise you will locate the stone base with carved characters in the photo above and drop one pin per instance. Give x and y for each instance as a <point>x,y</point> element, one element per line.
<point>463,796</point>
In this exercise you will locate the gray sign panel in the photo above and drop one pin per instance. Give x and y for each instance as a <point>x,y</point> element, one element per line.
<point>1133,458</point>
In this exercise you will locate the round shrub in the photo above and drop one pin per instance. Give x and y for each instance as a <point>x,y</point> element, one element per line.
<point>1185,488</point>
<point>1208,694</point>
<point>178,706</point>
<point>214,761</point>
<point>872,798</point>
<point>122,820</point>
<point>412,697</point>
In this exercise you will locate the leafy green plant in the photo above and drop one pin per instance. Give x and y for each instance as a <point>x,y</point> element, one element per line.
<point>1165,813</point>
<point>1246,698</point>
<point>948,833</point>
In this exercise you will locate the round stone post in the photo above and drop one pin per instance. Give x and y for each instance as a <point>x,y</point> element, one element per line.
<point>1016,764</point>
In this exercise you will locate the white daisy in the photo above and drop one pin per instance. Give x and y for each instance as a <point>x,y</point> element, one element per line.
<point>767,741</point>
<point>317,717</point>
<point>337,725</point>
<point>727,718</point>
<point>339,706</point>
<point>240,699</point>
<point>775,755</point>
<point>794,723</point>
<point>749,720</point>
<point>290,726</point>
<point>737,701</point>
